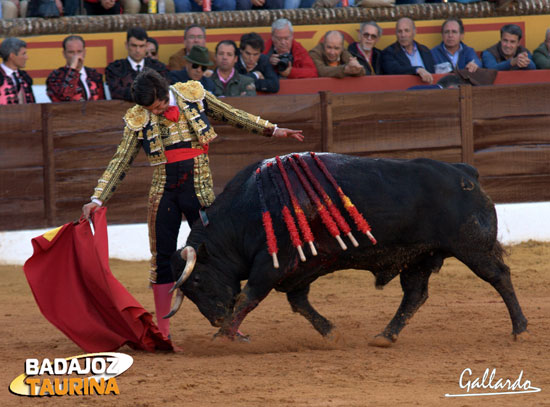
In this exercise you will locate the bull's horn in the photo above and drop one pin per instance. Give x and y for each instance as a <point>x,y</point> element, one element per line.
<point>177,304</point>
<point>188,254</point>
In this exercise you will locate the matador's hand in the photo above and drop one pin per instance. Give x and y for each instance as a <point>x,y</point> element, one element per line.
<point>88,209</point>
<point>295,134</point>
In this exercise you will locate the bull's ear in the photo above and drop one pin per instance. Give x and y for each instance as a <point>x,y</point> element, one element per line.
<point>202,253</point>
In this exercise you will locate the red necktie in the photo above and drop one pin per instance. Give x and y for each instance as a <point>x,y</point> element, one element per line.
<point>172,113</point>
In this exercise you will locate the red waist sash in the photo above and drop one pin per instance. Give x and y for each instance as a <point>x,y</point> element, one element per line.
<point>182,154</point>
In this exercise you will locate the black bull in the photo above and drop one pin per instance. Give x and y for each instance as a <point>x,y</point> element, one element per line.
<point>421,212</point>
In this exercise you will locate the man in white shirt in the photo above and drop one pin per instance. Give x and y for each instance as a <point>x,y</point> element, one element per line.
<point>15,83</point>
<point>120,74</point>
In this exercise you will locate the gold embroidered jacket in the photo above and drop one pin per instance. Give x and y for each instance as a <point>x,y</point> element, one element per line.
<point>155,133</point>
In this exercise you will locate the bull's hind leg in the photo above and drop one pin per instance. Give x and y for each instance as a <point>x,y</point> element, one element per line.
<point>491,268</point>
<point>414,282</point>
<point>300,303</point>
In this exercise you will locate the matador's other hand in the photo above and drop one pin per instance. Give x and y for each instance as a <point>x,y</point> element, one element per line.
<point>88,209</point>
<point>295,134</point>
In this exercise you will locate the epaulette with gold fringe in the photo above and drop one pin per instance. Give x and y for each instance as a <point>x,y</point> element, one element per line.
<point>136,118</point>
<point>191,91</point>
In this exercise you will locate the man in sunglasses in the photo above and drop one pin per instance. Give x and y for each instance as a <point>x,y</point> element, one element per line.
<point>152,49</point>
<point>199,62</point>
<point>193,35</point>
<point>365,48</point>
<point>172,124</point>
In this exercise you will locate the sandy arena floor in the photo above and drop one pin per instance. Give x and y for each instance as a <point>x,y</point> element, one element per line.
<point>464,324</point>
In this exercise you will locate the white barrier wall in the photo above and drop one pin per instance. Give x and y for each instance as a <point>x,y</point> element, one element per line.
<point>516,223</point>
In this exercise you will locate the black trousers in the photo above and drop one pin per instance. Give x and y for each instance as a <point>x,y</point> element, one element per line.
<point>178,198</point>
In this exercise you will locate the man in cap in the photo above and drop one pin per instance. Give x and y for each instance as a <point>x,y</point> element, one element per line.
<point>199,62</point>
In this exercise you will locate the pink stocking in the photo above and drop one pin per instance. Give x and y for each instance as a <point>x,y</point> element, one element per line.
<point>163,303</point>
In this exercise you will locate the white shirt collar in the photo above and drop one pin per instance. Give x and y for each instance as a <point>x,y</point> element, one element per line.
<point>172,101</point>
<point>135,64</point>
<point>7,70</point>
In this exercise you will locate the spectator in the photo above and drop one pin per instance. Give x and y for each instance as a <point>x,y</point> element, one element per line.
<point>74,81</point>
<point>71,7</point>
<point>42,8</point>
<point>289,4</point>
<point>508,54</point>
<point>137,6</point>
<point>102,7</point>
<point>260,4</point>
<point>15,83</point>
<point>193,35</point>
<point>188,6</point>
<point>365,51</point>
<point>13,8</point>
<point>227,81</point>
<point>121,73</point>
<point>452,52</point>
<point>256,65</point>
<point>541,56</point>
<point>406,56</point>
<point>332,60</point>
<point>288,57</point>
<point>199,62</point>
<point>152,48</point>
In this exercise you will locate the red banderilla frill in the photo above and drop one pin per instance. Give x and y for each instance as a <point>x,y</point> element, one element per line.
<point>362,225</point>
<point>340,221</point>
<point>302,221</point>
<point>268,223</point>
<point>287,215</point>
<point>325,215</point>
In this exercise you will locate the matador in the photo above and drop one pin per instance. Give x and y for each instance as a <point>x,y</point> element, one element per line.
<point>171,124</point>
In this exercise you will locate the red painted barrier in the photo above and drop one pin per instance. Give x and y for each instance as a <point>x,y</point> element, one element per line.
<point>382,83</point>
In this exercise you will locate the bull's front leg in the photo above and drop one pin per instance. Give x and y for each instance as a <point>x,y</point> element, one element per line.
<point>299,302</point>
<point>245,302</point>
<point>414,282</point>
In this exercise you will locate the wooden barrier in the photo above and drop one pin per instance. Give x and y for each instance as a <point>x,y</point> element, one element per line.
<point>51,155</point>
<point>382,83</point>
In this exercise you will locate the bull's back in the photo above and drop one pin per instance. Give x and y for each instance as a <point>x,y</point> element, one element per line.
<point>406,201</point>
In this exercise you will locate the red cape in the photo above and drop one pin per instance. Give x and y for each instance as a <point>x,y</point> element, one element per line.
<point>74,288</point>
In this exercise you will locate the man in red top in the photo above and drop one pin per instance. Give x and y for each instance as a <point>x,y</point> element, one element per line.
<point>74,81</point>
<point>289,59</point>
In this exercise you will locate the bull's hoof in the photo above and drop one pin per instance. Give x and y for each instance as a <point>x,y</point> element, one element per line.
<point>222,336</point>
<point>242,337</point>
<point>334,336</point>
<point>381,341</point>
<point>521,337</point>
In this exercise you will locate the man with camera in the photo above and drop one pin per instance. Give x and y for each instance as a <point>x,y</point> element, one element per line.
<point>289,58</point>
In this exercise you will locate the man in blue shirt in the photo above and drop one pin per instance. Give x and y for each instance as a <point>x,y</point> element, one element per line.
<point>508,54</point>
<point>406,56</point>
<point>452,52</point>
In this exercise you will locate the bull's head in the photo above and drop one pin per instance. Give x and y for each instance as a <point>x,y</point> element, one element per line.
<point>197,279</point>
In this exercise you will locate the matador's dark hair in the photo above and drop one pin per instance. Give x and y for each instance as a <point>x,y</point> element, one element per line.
<point>149,86</point>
